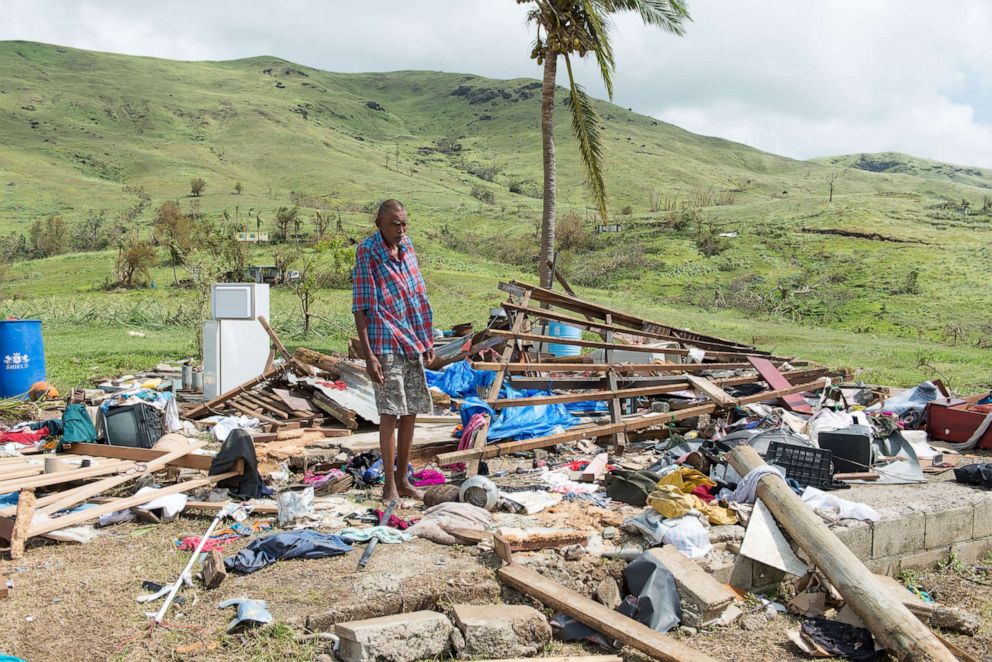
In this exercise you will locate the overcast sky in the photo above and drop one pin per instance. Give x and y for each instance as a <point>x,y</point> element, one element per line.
<point>793,77</point>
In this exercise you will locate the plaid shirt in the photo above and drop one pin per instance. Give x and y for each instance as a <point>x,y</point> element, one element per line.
<point>392,293</point>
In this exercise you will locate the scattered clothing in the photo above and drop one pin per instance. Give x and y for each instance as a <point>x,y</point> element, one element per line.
<point>670,502</point>
<point>225,425</point>
<point>394,521</point>
<point>76,424</point>
<point>428,476</point>
<point>25,437</point>
<point>631,487</point>
<point>842,508</point>
<point>747,489</point>
<point>384,534</point>
<point>686,479</point>
<point>841,639</point>
<point>239,445</point>
<point>532,501</point>
<point>686,533</point>
<point>975,474</point>
<point>559,481</point>
<point>302,544</point>
<point>437,520</point>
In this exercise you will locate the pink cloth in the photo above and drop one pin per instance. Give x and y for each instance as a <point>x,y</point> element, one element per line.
<point>474,423</point>
<point>24,437</point>
<point>426,477</point>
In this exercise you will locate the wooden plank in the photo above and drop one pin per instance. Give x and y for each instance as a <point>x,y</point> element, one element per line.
<point>619,317</point>
<point>60,477</point>
<point>24,472</point>
<point>249,411</point>
<point>621,368</point>
<point>775,379</point>
<point>602,326</point>
<point>22,523</point>
<point>214,571</point>
<point>711,391</point>
<point>214,506</point>
<point>345,416</point>
<point>206,408</point>
<point>533,337</point>
<point>599,617</point>
<point>188,461</point>
<point>518,321</point>
<point>887,618</point>
<point>251,399</point>
<point>93,489</point>
<point>479,441</point>
<point>628,425</point>
<point>72,519</point>
<point>616,414</point>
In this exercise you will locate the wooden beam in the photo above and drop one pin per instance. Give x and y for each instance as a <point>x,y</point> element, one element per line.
<point>599,617</point>
<point>578,305</point>
<point>343,415</point>
<point>775,379</point>
<point>620,368</point>
<point>677,351</point>
<point>60,477</point>
<point>72,519</point>
<point>887,618</point>
<point>189,461</point>
<point>601,327</point>
<point>206,408</point>
<point>616,413</point>
<point>518,322</point>
<point>73,497</point>
<point>711,391</point>
<point>629,425</point>
<point>22,523</point>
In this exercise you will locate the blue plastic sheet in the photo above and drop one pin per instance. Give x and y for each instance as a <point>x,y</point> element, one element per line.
<point>460,380</point>
<point>520,422</point>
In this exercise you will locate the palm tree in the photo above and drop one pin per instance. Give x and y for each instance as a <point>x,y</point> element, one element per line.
<point>568,28</point>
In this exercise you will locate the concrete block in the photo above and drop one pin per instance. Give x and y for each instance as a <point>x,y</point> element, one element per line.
<point>764,576</point>
<point>742,573</point>
<point>944,527</point>
<point>501,631</point>
<point>703,598</point>
<point>886,565</point>
<point>972,551</point>
<point>900,535</point>
<point>983,519</point>
<point>857,536</point>
<point>924,559</point>
<point>398,638</point>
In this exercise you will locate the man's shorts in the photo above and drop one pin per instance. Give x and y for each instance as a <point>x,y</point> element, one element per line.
<point>405,389</point>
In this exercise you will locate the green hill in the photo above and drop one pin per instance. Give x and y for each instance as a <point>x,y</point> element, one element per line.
<point>894,257</point>
<point>894,162</point>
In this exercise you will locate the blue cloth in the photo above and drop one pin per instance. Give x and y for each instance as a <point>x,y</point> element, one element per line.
<point>302,544</point>
<point>460,380</point>
<point>9,499</point>
<point>519,422</point>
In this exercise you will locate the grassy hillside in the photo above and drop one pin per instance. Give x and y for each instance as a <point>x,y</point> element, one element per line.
<point>889,272</point>
<point>893,162</point>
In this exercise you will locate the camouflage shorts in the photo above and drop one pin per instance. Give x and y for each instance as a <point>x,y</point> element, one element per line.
<point>405,388</point>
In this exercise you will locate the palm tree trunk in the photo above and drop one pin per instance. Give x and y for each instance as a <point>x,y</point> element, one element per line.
<point>550,166</point>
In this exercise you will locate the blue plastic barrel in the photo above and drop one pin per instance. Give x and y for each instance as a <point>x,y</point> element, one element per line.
<point>23,355</point>
<point>562,330</point>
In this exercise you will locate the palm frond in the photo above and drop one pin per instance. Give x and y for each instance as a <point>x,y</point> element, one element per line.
<point>669,15</point>
<point>585,127</point>
<point>598,25</point>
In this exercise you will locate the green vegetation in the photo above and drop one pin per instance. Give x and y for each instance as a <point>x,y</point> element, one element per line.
<point>890,275</point>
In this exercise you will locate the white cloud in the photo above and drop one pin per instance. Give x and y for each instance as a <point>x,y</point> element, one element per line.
<point>797,78</point>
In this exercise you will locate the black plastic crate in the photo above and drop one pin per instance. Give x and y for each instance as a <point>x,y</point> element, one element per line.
<point>807,466</point>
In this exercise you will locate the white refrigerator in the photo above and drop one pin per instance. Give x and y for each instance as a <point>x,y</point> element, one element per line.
<point>235,346</point>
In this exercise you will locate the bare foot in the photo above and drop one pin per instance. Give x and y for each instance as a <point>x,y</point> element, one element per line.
<point>407,490</point>
<point>389,494</point>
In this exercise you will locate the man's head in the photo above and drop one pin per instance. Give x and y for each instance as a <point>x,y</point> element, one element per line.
<point>391,221</point>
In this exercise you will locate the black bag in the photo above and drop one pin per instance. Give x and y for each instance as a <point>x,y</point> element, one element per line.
<point>137,426</point>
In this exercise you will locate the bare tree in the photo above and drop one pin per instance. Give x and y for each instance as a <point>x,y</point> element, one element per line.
<point>835,175</point>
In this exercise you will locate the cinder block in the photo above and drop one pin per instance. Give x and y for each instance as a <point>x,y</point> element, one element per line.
<point>983,518</point>
<point>900,535</point>
<point>858,538</point>
<point>501,631</point>
<point>944,527</point>
<point>764,576</point>
<point>703,598</point>
<point>886,565</point>
<point>398,638</point>
<point>742,573</point>
<point>924,559</point>
<point>972,551</point>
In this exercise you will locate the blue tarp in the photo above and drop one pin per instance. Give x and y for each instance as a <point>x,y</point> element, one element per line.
<point>460,380</point>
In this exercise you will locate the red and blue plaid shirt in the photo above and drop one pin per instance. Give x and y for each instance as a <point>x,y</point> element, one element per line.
<point>392,293</point>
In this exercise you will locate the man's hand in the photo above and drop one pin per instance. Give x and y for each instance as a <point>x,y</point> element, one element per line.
<point>374,369</point>
<point>429,357</point>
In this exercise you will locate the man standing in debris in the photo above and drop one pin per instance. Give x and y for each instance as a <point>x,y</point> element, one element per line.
<point>394,322</point>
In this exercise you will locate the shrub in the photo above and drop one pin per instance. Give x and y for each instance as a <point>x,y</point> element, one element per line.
<point>483,194</point>
<point>627,210</point>
<point>238,188</point>
<point>570,232</point>
<point>196,186</point>
<point>49,237</point>
<point>134,261</point>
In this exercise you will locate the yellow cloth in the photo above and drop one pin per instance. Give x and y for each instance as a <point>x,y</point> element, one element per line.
<point>686,479</point>
<point>670,502</point>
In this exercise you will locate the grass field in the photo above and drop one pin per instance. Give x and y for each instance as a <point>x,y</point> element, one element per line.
<point>888,275</point>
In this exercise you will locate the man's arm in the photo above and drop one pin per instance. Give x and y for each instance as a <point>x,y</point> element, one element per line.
<point>364,294</point>
<point>372,365</point>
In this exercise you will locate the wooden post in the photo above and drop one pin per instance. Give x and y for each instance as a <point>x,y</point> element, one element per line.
<point>599,617</point>
<point>888,619</point>
<point>616,415</point>
<point>214,571</point>
<point>25,512</point>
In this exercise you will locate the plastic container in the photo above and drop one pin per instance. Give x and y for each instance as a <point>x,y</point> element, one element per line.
<point>807,466</point>
<point>562,330</point>
<point>23,354</point>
